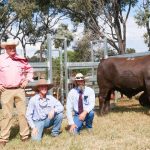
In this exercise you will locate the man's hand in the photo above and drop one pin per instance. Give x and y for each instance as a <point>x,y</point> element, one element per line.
<point>83,115</point>
<point>24,84</point>
<point>34,132</point>
<point>72,128</point>
<point>51,114</point>
<point>2,89</point>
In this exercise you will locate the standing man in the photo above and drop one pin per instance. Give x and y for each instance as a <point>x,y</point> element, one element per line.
<point>44,111</point>
<point>15,73</point>
<point>81,101</point>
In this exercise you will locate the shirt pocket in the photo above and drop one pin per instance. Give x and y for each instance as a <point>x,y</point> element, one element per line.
<point>4,67</point>
<point>49,105</point>
<point>85,100</point>
<point>20,69</point>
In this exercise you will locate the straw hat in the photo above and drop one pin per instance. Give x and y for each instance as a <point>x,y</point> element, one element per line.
<point>42,82</point>
<point>9,42</point>
<point>79,76</point>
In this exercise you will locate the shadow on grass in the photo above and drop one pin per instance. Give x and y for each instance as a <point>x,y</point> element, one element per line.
<point>14,132</point>
<point>47,131</point>
<point>127,108</point>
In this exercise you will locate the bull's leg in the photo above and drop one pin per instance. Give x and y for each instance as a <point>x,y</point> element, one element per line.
<point>144,100</point>
<point>107,103</point>
<point>101,105</point>
<point>146,95</point>
<point>104,103</point>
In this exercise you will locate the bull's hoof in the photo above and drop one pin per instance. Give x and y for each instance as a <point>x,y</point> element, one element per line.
<point>144,101</point>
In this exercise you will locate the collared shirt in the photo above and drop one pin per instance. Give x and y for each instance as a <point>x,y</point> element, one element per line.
<point>88,98</point>
<point>14,72</point>
<point>38,109</point>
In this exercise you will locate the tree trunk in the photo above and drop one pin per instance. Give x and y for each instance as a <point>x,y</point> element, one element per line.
<point>24,50</point>
<point>148,32</point>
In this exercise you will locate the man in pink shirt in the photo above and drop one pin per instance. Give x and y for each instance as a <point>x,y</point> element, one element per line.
<point>15,73</point>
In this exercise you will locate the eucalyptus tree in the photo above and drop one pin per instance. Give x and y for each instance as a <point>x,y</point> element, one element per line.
<point>105,18</point>
<point>46,18</point>
<point>88,46</point>
<point>143,19</point>
<point>6,19</point>
<point>15,19</point>
<point>29,21</point>
<point>23,27</point>
<point>62,32</point>
<point>34,28</point>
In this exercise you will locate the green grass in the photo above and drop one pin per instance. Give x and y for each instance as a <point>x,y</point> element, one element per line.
<point>126,127</point>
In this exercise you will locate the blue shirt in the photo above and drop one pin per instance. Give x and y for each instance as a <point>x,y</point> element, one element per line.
<point>88,98</point>
<point>38,109</point>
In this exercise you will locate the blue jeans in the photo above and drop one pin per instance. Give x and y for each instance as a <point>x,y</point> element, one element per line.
<point>55,122</point>
<point>88,121</point>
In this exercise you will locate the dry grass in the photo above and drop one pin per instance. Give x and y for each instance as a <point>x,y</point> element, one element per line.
<point>126,127</point>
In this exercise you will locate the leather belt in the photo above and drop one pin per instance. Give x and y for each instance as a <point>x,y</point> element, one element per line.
<point>12,87</point>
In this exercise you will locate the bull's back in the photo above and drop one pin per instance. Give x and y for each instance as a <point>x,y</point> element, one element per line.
<point>123,72</point>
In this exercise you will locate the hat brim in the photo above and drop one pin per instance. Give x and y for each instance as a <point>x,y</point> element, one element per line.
<point>79,79</point>
<point>49,86</point>
<point>85,79</point>
<point>4,44</point>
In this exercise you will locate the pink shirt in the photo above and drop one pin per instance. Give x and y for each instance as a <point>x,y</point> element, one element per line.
<point>14,72</point>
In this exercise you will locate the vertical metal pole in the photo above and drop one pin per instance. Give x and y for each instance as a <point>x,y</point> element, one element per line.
<point>61,77</point>
<point>49,46</point>
<point>66,69</point>
<point>92,60</point>
<point>105,48</point>
<point>92,57</point>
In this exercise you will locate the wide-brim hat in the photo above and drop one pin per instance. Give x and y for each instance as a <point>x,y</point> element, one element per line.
<point>42,82</point>
<point>79,77</point>
<point>9,42</point>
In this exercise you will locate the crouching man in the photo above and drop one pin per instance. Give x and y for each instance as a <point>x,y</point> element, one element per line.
<point>44,111</point>
<point>81,101</point>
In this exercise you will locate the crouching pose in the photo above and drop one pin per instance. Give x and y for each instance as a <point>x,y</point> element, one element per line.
<point>44,111</point>
<point>80,101</point>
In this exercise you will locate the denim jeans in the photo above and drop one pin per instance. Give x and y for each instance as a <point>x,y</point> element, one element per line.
<point>55,122</point>
<point>88,121</point>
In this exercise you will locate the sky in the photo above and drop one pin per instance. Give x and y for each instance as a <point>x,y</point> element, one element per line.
<point>135,36</point>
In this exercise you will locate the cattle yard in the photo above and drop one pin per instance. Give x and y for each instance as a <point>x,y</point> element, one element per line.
<point>126,127</point>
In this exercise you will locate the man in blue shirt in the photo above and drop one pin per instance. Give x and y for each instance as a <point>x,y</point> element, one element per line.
<point>44,111</point>
<point>81,101</point>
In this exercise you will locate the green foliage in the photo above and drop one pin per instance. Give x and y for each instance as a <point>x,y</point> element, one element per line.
<point>23,9</point>
<point>142,18</point>
<point>62,31</point>
<point>83,49</point>
<point>56,70</point>
<point>130,50</point>
<point>34,19</point>
<point>102,16</point>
